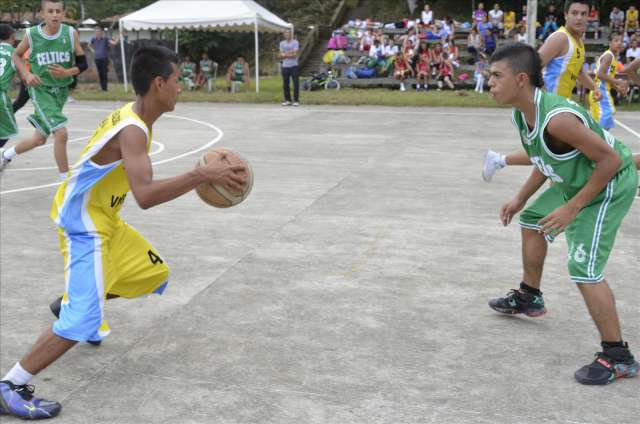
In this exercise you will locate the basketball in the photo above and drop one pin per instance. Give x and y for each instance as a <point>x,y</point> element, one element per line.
<point>216,195</point>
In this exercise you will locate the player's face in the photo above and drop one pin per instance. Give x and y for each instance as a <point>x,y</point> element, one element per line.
<point>576,17</point>
<point>52,13</point>
<point>169,90</point>
<point>617,44</point>
<point>502,82</point>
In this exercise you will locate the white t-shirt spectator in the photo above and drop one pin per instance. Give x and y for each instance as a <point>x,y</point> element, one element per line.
<point>376,51</point>
<point>496,18</point>
<point>427,17</point>
<point>632,53</point>
<point>617,19</point>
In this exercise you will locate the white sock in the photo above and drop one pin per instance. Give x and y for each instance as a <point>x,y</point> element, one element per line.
<point>63,176</point>
<point>503,161</point>
<point>10,153</point>
<point>18,375</point>
<point>401,86</point>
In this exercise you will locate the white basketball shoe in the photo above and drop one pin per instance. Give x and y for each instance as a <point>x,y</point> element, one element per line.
<point>493,162</point>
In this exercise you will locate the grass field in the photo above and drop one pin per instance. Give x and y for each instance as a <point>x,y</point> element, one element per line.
<point>271,92</point>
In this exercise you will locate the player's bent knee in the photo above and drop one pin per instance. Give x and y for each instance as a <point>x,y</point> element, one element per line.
<point>79,324</point>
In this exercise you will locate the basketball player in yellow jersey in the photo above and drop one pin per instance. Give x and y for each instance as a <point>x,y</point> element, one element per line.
<point>606,70</point>
<point>102,254</point>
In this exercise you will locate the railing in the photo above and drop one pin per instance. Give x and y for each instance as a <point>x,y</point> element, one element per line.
<point>308,44</point>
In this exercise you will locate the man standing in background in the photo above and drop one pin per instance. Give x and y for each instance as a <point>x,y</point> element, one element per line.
<point>100,46</point>
<point>289,54</point>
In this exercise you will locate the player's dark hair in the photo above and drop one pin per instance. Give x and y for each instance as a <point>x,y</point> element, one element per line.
<point>521,58</point>
<point>614,34</point>
<point>5,32</point>
<point>149,62</point>
<point>568,3</point>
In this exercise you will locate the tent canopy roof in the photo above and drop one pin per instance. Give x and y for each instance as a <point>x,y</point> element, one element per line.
<point>204,15</point>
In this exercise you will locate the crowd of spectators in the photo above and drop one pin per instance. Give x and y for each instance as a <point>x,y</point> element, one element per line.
<point>195,76</point>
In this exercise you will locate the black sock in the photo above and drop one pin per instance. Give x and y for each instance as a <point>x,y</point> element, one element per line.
<point>529,289</point>
<point>609,345</point>
<point>3,141</point>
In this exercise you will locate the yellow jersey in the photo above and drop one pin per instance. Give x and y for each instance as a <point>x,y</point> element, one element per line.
<point>561,72</point>
<point>90,198</point>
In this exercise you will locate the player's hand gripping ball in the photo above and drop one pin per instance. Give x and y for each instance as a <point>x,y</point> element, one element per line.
<point>214,193</point>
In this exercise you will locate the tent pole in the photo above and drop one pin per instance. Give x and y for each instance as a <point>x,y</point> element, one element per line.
<point>177,41</point>
<point>124,64</point>
<point>257,59</point>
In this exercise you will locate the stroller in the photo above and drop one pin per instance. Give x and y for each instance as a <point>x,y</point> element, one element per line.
<point>326,79</point>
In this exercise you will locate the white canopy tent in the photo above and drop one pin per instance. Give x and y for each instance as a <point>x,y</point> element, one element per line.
<point>203,15</point>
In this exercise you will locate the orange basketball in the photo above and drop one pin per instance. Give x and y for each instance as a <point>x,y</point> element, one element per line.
<point>216,195</point>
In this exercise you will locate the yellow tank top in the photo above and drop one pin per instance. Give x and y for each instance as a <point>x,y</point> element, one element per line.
<point>561,72</point>
<point>91,197</point>
<point>613,70</point>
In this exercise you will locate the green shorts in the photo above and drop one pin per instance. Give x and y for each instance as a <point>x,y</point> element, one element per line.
<point>591,235</point>
<point>48,103</point>
<point>8,126</point>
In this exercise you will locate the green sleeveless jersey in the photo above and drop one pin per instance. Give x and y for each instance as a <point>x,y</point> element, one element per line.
<point>7,67</point>
<point>569,171</point>
<point>48,50</point>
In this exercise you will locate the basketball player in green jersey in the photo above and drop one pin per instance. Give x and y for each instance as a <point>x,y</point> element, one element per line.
<point>54,46</point>
<point>8,126</point>
<point>594,182</point>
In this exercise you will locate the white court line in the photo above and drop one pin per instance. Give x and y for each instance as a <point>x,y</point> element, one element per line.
<point>160,149</point>
<point>171,159</point>
<point>627,128</point>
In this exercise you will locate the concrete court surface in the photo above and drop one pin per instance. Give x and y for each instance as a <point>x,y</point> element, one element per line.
<point>350,287</point>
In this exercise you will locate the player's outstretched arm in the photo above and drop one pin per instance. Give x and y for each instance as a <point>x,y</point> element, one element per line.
<point>149,192</point>
<point>568,129</point>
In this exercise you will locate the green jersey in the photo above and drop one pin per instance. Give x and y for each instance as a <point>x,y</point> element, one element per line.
<point>7,67</point>
<point>206,66</point>
<point>187,69</point>
<point>570,171</point>
<point>47,50</point>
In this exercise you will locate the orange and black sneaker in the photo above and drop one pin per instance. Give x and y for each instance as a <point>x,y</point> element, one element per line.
<point>519,301</point>
<point>609,365</point>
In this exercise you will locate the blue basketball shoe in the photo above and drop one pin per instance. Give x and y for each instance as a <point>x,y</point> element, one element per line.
<point>609,365</point>
<point>19,401</point>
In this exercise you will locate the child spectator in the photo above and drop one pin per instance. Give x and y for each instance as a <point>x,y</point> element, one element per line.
<point>593,21</point>
<point>509,23</point>
<point>427,16</point>
<point>401,69</point>
<point>445,72</point>
<point>521,36</point>
<point>496,18</point>
<point>631,24</point>
<point>479,72</point>
<point>489,42</point>
<point>474,43</point>
<point>366,41</point>
<point>616,19</point>
<point>424,62</point>
<point>479,14</point>
<point>437,54</point>
<point>452,51</point>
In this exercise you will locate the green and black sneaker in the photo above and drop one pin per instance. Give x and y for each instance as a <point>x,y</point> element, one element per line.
<point>519,301</point>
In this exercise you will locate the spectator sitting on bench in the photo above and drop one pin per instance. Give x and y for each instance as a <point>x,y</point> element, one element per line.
<point>206,68</point>
<point>187,72</point>
<point>437,56</point>
<point>475,44</point>
<point>402,69</point>
<point>366,41</point>
<point>238,71</point>
<point>633,52</point>
<point>427,16</point>
<point>509,23</point>
<point>551,20</point>
<point>593,21</point>
<point>445,72</point>
<point>631,23</point>
<point>422,68</point>
<point>479,14</point>
<point>616,20</point>
<point>452,50</point>
<point>496,18</point>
